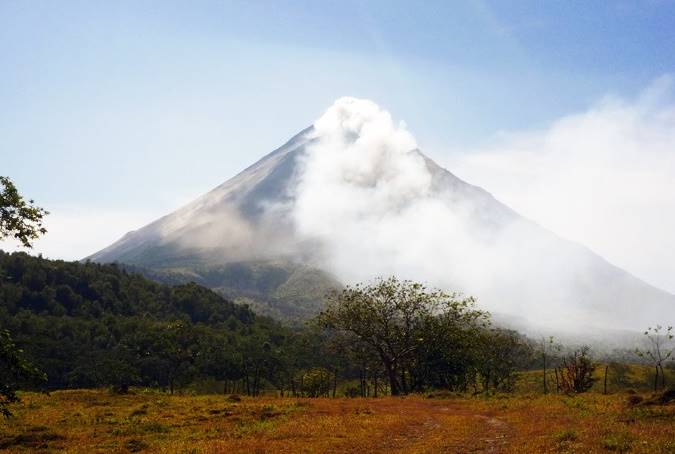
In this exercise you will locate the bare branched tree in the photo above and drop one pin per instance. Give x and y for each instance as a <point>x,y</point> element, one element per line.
<point>658,350</point>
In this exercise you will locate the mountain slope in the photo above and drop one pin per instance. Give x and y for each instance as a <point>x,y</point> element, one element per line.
<point>353,197</point>
<point>279,289</point>
<point>216,225</point>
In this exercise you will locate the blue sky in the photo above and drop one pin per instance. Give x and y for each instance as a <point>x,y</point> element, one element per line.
<point>121,111</point>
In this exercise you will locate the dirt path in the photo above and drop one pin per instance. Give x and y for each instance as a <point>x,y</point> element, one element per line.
<point>428,426</point>
<point>496,435</point>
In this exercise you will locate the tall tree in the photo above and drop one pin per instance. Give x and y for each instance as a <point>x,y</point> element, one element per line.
<point>548,350</point>
<point>23,221</point>
<point>19,219</point>
<point>391,317</point>
<point>14,371</point>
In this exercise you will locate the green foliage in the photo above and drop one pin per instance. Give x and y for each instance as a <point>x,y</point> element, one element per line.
<point>19,219</point>
<point>618,442</point>
<point>500,354</point>
<point>576,372</point>
<point>282,290</point>
<point>566,435</point>
<point>88,325</point>
<point>316,382</point>
<point>15,370</point>
<point>420,338</point>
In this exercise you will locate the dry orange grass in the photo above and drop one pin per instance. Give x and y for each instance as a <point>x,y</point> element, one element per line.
<point>89,421</point>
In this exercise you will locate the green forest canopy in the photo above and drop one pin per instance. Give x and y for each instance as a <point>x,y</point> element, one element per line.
<point>88,324</point>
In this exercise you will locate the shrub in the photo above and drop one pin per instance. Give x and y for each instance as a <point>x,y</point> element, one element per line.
<point>577,372</point>
<point>634,399</point>
<point>135,445</point>
<point>617,442</point>
<point>566,435</point>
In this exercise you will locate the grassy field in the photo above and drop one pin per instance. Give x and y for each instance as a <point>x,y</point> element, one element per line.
<point>88,421</point>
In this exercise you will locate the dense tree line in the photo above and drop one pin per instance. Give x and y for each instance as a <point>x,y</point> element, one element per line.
<point>88,324</point>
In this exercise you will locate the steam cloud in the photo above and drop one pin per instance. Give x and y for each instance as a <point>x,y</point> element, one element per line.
<point>371,200</point>
<point>604,177</point>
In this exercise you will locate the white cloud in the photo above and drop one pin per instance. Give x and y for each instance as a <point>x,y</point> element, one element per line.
<point>73,233</point>
<point>604,178</point>
<point>376,208</point>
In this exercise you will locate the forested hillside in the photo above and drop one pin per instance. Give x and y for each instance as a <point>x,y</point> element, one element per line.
<point>280,289</point>
<point>87,324</point>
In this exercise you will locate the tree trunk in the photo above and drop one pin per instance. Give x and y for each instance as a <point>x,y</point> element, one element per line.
<point>605,385</point>
<point>656,378</point>
<point>256,382</point>
<point>545,387</point>
<point>375,382</point>
<point>404,383</point>
<point>393,380</point>
<point>334,382</point>
<point>364,383</point>
<point>486,387</point>
<point>557,383</point>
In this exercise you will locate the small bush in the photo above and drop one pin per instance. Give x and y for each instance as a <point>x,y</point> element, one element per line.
<point>617,442</point>
<point>269,411</point>
<point>634,399</point>
<point>154,427</point>
<point>135,428</point>
<point>142,410</point>
<point>248,427</point>
<point>352,391</point>
<point>35,437</point>
<point>662,398</point>
<point>442,395</point>
<point>135,445</point>
<point>576,372</point>
<point>566,435</point>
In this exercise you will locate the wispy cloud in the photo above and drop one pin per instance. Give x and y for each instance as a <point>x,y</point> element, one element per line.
<point>604,177</point>
<point>377,208</point>
<point>74,233</point>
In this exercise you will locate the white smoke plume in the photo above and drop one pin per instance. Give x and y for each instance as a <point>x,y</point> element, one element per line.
<point>374,203</point>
